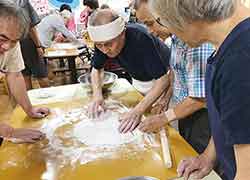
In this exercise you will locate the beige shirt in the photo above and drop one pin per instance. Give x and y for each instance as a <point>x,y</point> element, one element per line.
<point>12,60</point>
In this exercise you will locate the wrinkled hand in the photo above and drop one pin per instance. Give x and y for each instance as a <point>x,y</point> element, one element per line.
<point>153,123</point>
<point>95,108</point>
<point>40,52</point>
<point>197,167</point>
<point>5,130</point>
<point>38,113</point>
<point>159,108</point>
<point>21,135</point>
<point>129,121</point>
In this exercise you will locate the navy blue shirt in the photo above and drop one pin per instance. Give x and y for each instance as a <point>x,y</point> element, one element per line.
<point>144,56</point>
<point>228,95</point>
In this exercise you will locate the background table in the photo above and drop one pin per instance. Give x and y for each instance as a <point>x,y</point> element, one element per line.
<point>69,52</point>
<point>28,162</point>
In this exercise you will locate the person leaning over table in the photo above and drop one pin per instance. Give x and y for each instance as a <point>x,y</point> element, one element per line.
<point>14,25</point>
<point>71,26</point>
<point>225,24</point>
<point>141,54</point>
<point>32,50</point>
<point>188,66</point>
<point>52,24</point>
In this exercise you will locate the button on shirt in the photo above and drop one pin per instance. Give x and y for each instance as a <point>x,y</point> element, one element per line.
<point>228,95</point>
<point>144,56</point>
<point>189,67</point>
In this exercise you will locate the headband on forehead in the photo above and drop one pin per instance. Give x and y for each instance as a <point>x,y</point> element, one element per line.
<point>106,32</point>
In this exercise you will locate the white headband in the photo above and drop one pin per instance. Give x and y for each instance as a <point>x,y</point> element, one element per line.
<point>106,32</point>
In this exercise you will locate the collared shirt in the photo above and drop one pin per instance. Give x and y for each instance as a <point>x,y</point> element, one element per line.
<point>12,61</point>
<point>228,96</point>
<point>189,66</point>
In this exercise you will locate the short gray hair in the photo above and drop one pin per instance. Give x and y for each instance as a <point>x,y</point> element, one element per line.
<point>10,9</point>
<point>177,13</point>
<point>102,16</point>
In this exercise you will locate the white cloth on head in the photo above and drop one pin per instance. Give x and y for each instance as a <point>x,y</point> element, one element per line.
<point>106,32</point>
<point>143,86</point>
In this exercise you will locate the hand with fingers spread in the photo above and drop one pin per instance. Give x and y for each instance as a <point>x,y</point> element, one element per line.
<point>196,167</point>
<point>21,135</point>
<point>129,121</point>
<point>95,108</point>
<point>153,123</point>
<point>38,113</point>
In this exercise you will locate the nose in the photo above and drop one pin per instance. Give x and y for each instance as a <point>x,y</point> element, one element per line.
<point>6,46</point>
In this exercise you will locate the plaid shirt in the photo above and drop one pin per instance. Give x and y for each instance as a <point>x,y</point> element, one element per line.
<point>189,66</point>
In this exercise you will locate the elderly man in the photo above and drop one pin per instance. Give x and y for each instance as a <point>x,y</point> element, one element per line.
<point>225,24</point>
<point>14,24</point>
<point>142,55</point>
<point>188,85</point>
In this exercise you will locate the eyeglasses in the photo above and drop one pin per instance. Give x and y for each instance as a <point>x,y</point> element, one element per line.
<point>6,40</point>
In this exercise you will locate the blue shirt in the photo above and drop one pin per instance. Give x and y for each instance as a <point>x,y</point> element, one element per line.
<point>189,68</point>
<point>144,56</point>
<point>228,95</point>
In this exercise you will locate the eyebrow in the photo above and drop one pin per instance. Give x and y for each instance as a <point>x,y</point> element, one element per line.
<point>5,37</point>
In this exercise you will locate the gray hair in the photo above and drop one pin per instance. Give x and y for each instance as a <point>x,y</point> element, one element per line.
<point>177,13</point>
<point>10,9</point>
<point>102,16</point>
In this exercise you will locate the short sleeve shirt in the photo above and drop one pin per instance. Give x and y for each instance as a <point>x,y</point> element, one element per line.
<point>34,18</point>
<point>12,61</point>
<point>144,56</point>
<point>228,95</point>
<point>189,68</point>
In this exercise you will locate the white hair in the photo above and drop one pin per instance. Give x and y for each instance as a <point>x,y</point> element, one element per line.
<point>177,13</point>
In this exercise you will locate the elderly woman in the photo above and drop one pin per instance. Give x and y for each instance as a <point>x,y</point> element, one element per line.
<point>225,24</point>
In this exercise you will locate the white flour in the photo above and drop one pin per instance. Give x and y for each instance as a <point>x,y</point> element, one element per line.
<point>103,131</point>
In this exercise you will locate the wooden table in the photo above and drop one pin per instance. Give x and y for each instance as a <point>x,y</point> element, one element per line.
<point>60,51</point>
<point>29,162</point>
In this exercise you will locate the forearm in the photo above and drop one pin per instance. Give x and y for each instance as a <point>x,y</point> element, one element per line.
<point>187,107</point>
<point>34,37</point>
<point>159,87</point>
<point>18,90</point>
<point>97,79</point>
<point>242,161</point>
<point>210,151</point>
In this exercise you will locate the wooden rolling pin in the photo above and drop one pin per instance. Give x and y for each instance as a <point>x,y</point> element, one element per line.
<point>165,149</point>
